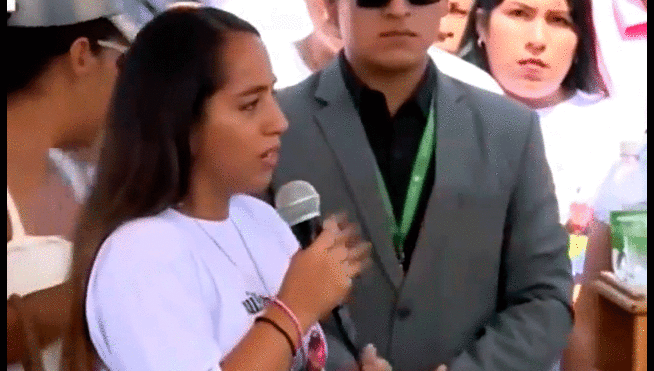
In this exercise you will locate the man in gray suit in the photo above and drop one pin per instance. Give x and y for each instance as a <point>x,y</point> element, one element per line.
<point>450,184</point>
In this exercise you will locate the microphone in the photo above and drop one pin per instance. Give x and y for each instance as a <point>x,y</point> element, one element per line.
<point>298,203</point>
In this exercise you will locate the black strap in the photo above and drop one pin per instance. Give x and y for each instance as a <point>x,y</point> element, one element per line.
<point>346,339</point>
<point>280,329</point>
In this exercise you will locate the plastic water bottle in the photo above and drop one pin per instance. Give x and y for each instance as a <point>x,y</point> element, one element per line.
<point>629,183</point>
<point>629,188</point>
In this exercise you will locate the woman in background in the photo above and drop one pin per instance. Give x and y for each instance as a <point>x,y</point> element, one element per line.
<point>542,53</point>
<point>174,267</point>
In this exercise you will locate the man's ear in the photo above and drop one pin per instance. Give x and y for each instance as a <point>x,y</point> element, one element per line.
<point>81,58</point>
<point>332,24</point>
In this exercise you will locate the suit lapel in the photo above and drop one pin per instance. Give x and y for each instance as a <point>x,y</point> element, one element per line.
<point>344,132</point>
<point>457,166</point>
<point>456,136</point>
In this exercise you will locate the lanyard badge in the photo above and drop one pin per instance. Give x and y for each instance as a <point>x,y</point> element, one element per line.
<point>426,151</point>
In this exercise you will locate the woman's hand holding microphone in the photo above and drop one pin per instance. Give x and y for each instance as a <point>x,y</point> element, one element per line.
<point>319,277</point>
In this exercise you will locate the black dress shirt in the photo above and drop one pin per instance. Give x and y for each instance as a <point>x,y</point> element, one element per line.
<point>395,140</point>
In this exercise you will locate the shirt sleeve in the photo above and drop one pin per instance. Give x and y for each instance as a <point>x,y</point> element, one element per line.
<point>145,305</point>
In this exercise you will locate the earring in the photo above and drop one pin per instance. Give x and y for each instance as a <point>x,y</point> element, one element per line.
<point>480,43</point>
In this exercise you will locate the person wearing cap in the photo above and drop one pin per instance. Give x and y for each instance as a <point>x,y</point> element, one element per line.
<point>61,67</point>
<point>451,185</point>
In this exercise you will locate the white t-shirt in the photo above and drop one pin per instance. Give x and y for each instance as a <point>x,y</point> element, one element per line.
<point>580,146</point>
<point>163,296</point>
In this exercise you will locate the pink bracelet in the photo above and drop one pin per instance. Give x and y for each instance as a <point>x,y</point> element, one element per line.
<point>292,316</point>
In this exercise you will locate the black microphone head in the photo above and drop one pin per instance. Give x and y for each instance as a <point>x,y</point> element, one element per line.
<point>297,202</point>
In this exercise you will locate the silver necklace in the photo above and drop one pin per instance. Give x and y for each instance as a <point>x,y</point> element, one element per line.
<point>247,249</point>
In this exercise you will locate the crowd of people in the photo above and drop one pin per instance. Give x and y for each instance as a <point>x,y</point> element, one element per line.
<point>458,147</point>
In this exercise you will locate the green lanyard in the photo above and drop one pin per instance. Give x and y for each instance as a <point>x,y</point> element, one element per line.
<point>418,175</point>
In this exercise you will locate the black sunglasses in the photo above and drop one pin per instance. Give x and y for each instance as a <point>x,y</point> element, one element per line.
<point>383,3</point>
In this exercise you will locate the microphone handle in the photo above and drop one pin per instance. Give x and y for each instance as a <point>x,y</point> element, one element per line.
<point>306,232</point>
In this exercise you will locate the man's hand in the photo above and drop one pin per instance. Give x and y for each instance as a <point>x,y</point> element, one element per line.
<point>442,368</point>
<point>371,362</point>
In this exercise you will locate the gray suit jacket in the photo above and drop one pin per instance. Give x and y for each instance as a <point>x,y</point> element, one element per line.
<point>489,285</point>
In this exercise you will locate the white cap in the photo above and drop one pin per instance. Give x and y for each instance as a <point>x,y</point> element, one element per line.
<point>47,13</point>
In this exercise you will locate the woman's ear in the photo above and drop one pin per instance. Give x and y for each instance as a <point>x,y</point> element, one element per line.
<point>481,25</point>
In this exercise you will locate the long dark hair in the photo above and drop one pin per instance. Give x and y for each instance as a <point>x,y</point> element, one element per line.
<point>468,38</point>
<point>584,73</point>
<point>172,68</point>
<point>31,49</point>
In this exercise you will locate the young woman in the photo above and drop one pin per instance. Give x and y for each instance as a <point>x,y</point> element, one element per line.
<point>174,268</point>
<point>61,69</point>
<point>542,53</point>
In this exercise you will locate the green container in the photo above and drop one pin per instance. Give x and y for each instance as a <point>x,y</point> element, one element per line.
<point>631,223</point>
<point>629,239</point>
